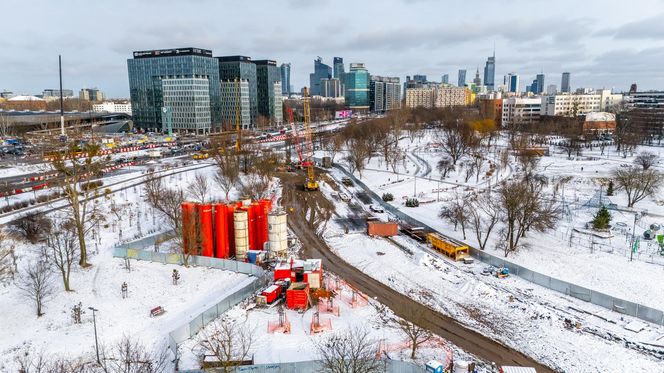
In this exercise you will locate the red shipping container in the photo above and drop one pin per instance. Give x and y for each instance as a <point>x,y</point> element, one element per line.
<point>282,271</point>
<point>221,231</point>
<point>382,229</point>
<point>206,230</point>
<point>272,293</point>
<point>188,226</point>
<point>297,296</point>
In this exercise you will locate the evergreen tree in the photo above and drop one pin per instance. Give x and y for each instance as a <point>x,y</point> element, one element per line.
<point>609,190</point>
<point>602,218</point>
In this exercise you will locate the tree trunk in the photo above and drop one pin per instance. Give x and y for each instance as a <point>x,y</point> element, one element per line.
<point>83,262</point>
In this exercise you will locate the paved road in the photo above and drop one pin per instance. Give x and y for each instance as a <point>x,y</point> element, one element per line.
<point>403,306</point>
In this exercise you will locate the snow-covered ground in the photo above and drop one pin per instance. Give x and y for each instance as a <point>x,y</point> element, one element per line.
<point>522,315</point>
<point>597,263</point>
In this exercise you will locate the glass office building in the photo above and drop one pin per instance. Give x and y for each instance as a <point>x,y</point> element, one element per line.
<point>267,75</point>
<point>490,73</point>
<point>235,100</point>
<point>153,72</point>
<point>285,78</point>
<point>357,87</point>
<point>242,68</point>
<point>321,71</point>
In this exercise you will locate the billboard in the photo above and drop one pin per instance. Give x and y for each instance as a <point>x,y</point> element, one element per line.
<point>343,114</point>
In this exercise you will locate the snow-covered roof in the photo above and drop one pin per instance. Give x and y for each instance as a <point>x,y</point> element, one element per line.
<point>600,117</point>
<point>25,98</point>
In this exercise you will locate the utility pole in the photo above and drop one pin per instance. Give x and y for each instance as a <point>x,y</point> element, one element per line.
<point>62,109</point>
<point>94,321</point>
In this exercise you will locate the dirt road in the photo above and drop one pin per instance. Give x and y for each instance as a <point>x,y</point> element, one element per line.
<point>302,221</point>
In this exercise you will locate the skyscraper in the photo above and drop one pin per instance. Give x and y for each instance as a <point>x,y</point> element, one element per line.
<point>540,83</point>
<point>241,68</point>
<point>356,81</point>
<point>512,82</point>
<point>321,71</point>
<point>186,80</point>
<point>338,68</point>
<point>477,81</point>
<point>461,81</point>
<point>285,78</point>
<point>267,76</point>
<point>420,78</point>
<point>564,85</point>
<point>490,72</point>
<point>330,87</point>
<point>445,79</point>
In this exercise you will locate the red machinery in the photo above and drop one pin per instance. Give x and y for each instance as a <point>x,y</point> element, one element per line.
<point>271,293</point>
<point>221,230</point>
<point>297,296</point>
<point>206,232</point>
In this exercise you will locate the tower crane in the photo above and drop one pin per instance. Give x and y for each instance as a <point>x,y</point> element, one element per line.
<point>310,182</point>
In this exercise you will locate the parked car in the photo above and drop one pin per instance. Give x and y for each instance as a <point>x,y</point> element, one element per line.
<point>344,197</point>
<point>376,208</point>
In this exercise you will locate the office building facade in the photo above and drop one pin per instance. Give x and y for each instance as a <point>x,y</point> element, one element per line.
<point>235,99</point>
<point>580,104</point>
<point>445,79</point>
<point>89,94</point>
<point>384,93</point>
<point>331,88</point>
<point>113,107</point>
<point>490,73</point>
<point>356,82</point>
<point>241,68</point>
<point>565,83</point>
<point>512,82</point>
<point>267,77</point>
<point>285,69</point>
<point>55,93</point>
<point>517,111</point>
<point>163,78</point>
<point>321,71</point>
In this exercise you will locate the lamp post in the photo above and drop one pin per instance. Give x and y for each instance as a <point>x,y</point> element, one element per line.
<point>631,246</point>
<point>94,321</point>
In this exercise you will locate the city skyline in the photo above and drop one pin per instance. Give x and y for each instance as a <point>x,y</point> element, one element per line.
<point>611,47</point>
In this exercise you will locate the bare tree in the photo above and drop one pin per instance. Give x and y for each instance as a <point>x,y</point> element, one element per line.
<point>62,250</point>
<point>469,168</point>
<point>199,188</point>
<point>456,213</point>
<point>229,341</point>
<point>524,207</point>
<point>484,214</point>
<point>5,125</point>
<point>416,335</point>
<point>36,284</point>
<point>478,162</point>
<point>77,166</point>
<point>31,226</point>
<point>349,351</point>
<point>646,160</point>
<point>131,356</point>
<point>359,152</point>
<point>255,186</point>
<point>444,166</point>
<point>455,136</point>
<point>637,183</point>
<point>228,169</point>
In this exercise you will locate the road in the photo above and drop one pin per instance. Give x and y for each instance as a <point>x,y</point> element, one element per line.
<point>314,246</point>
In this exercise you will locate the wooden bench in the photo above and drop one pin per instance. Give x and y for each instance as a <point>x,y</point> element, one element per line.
<point>157,311</point>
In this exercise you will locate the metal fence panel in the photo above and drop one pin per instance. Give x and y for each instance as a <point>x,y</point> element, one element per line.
<point>601,299</point>
<point>195,325</point>
<point>650,314</point>
<point>209,315</point>
<point>579,292</point>
<point>542,280</point>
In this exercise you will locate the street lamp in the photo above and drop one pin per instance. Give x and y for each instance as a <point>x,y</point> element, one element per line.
<point>94,321</point>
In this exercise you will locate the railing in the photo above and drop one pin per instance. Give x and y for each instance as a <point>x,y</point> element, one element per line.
<point>391,366</point>
<point>642,312</point>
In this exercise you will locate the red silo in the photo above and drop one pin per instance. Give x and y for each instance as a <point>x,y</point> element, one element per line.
<point>266,205</point>
<point>258,220</point>
<point>205,232</point>
<point>221,231</point>
<point>188,226</point>
<point>230,209</point>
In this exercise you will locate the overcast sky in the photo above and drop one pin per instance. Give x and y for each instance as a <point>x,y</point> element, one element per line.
<point>608,44</point>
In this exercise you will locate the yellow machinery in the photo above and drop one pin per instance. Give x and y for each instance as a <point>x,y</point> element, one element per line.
<point>310,182</point>
<point>447,248</point>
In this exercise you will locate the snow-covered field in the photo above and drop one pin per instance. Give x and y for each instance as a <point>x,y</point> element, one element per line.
<point>597,263</point>
<point>149,285</point>
<point>522,315</point>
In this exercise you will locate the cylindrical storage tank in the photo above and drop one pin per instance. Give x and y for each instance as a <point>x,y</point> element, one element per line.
<point>241,227</point>
<point>250,225</point>
<point>206,237</point>
<point>256,225</point>
<point>230,210</point>
<point>460,366</point>
<point>266,205</point>
<point>188,226</point>
<point>277,224</point>
<point>221,231</point>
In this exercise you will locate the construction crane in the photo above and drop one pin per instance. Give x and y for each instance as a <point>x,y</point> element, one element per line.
<point>238,129</point>
<point>296,137</point>
<point>310,183</point>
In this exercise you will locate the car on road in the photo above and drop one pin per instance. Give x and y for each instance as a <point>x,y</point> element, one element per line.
<point>376,208</point>
<point>344,197</point>
<point>347,181</point>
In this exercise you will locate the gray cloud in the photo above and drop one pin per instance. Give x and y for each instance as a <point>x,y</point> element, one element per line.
<point>648,28</point>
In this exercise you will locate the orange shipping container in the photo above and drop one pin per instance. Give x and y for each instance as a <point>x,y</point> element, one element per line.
<point>382,229</point>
